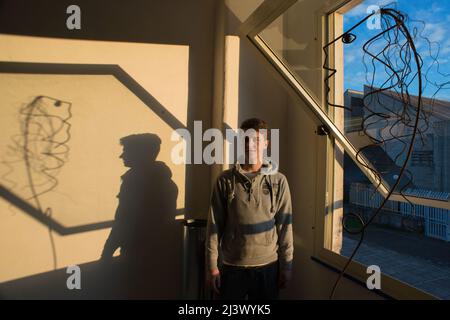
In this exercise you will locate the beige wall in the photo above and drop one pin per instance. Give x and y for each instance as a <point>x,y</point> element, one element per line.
<point>159,78</point>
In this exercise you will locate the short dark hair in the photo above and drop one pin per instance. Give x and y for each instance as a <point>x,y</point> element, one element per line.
<point>142,144</point>
<point>255,124</point>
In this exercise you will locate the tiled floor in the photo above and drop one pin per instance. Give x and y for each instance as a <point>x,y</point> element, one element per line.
<point>417,260</point>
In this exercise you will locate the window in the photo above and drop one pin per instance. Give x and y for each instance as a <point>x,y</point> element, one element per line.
<point>409,242</point>
<point>410,237</point>
<point>422,158</point>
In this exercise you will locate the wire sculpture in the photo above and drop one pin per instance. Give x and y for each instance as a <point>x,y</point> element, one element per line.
<point>42,148</point>
<point>392,52</point>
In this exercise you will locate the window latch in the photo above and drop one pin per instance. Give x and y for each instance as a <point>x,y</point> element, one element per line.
<point>322,130</point>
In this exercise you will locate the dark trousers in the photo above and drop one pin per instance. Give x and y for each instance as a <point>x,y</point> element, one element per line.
<point>255,283</point>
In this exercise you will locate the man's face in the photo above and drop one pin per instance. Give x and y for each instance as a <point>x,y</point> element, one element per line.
<point>126,158</point>
<point>255,144</point>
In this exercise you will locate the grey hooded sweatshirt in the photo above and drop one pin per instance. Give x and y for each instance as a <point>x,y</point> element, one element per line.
<point>250,220</point>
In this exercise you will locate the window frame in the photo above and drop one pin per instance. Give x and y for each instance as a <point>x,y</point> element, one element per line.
<point>325,220</point>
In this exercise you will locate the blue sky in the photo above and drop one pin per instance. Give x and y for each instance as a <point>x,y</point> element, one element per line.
<point>435,15</point>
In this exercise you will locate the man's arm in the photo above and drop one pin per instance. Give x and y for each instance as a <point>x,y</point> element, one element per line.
<point>283,221</point>
<point>114,238</point>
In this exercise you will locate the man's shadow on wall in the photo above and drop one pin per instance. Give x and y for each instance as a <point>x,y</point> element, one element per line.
<point>144,228</point>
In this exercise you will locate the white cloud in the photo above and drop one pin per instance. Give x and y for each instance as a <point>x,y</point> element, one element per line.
<point>427,14</point>
<point>435,32</point>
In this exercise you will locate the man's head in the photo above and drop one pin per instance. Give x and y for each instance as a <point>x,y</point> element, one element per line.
<point>256,139</point>
<point>140,149</point>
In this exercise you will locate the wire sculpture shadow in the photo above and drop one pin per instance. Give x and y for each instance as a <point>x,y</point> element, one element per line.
<point>15,156</point>
<point>41,147</point>
<point>392,53</point>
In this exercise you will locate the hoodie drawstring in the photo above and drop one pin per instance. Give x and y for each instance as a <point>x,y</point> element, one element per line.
<point>271,193</point>
<point>231,193</point>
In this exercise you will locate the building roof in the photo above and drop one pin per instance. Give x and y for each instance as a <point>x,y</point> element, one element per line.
<point>435,107</point>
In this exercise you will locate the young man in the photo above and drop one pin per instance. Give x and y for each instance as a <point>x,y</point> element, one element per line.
<point>249,244</point>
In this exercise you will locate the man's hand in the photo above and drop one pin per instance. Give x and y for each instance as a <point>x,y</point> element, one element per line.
<point>284,277</point>
<point>214,280</point>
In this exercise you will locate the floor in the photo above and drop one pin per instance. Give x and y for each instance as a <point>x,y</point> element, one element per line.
<point>409,257</point>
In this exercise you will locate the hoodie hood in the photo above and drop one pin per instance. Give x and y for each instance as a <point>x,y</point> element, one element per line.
<point>268,168</point>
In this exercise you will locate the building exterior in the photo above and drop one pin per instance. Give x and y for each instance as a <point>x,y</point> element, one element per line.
<point>428,174</point>
<point>429,164</point>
